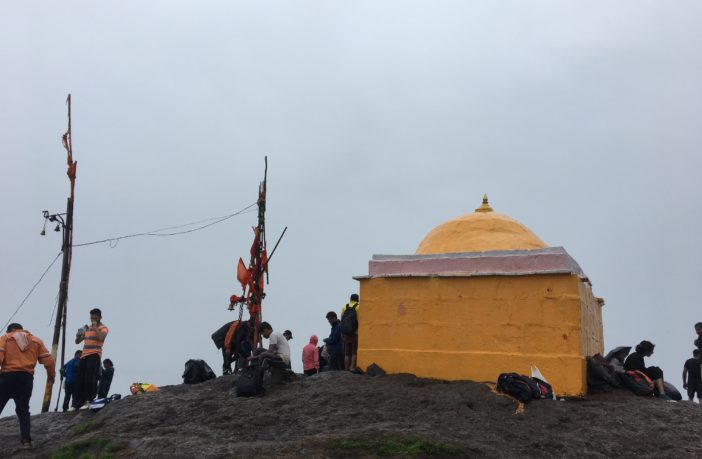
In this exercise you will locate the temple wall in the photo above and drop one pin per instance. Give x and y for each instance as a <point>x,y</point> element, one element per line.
<point>478,327</point>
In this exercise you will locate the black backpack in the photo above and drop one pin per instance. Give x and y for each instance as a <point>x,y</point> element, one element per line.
<point>349,321</point>
<point>197,371</point>
<point>521,387</point>
<point>219,336</point>
<point>250,382</point>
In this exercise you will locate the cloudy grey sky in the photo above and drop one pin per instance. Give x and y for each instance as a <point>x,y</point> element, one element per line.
<point>380,120</point>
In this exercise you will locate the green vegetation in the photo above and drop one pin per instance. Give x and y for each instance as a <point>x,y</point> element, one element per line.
<point>388,445</point>
<point>89,448</point>
<point>85,427</point>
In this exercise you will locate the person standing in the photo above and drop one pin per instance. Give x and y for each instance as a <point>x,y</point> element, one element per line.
<point>698,330</point>
<point>106,374</point>
<point>94,337</point>
<point>70,371</point>
<point>692,376</point>
<point>310,357</point>
<point>349,332</point>
<point>19,353</point>
<point>335,347</point>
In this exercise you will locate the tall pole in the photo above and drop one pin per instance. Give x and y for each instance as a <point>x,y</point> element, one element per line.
<point>67,246</point>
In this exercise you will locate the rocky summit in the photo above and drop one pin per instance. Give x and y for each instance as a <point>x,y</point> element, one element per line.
<point>340,414</point>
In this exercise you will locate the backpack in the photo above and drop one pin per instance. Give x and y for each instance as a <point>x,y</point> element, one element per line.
<point>100,403</point>
<point>672,392</point>
<point>637,382</point>
<point>220,334</point>
<point>601,376</point>
<point>250,382</point>
<point>197,371</point>
<point>521,387</point>
<point>545,389</point>
<point>349,321</point>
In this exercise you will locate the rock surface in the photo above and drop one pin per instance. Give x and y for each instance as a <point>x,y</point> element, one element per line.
<point>311,417</point>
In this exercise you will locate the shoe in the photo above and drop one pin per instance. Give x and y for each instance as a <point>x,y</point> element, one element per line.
<point>26,444</point>
<point>85,407</point>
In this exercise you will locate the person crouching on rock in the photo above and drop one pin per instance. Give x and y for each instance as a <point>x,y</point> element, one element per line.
<point>635,361</point>
<point>19,353</point>
<point>310,357</point>
<point>278,353</point>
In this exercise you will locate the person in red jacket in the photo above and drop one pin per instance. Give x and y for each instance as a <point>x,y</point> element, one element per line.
<point>19,353</point>
<point>310,357</point>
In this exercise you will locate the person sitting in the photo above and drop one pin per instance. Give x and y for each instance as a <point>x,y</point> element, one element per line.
<point>310,357</point>
<point>635,361</point>
<point>278,353</point>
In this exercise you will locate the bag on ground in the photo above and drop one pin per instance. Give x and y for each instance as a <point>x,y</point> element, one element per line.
<point>349,321</point>
<point>197,371</point>
<point>637,382</point>
<point>671,391</point>
<point>250,382</point>
<point>601,377</point>
<point>521,387</point>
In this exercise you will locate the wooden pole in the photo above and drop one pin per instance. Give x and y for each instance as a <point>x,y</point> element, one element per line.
<point>67,246</point>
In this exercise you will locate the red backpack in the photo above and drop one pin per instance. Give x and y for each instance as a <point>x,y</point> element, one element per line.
<point>638,382</point>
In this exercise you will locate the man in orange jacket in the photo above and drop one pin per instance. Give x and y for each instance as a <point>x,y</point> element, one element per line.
<point>19,353</point>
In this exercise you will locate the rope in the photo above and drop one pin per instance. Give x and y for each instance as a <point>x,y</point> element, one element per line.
<point>32,290</point>
<point>113,240</point>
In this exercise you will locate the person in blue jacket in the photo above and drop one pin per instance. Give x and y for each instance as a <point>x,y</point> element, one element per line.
<point>335,346</point>
<point>70,370</point>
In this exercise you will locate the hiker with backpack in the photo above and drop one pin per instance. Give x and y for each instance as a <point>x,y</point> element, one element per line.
<point>310,357</point>
<point>19,353</point>
<point>692,376</point>
<point>334,345</point>
<point>349,333</point>
<point>635,362</point>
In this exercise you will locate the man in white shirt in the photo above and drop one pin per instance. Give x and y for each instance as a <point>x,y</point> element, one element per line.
<point>278,348</point>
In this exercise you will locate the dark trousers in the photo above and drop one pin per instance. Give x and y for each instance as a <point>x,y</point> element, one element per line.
<point>86,383</point>
<point>68,392</point>
<point>17,385</point>
<point>336,362</point>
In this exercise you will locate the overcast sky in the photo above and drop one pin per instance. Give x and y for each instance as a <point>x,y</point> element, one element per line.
<point>380,120</point>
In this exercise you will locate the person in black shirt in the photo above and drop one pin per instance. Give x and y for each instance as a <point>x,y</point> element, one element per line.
<point>692,376</point>
<point>635,361</point>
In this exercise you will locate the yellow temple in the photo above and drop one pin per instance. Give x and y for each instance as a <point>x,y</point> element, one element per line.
<point>483,295</point>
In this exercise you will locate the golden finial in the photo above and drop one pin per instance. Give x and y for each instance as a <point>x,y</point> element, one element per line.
<point>485,207</point>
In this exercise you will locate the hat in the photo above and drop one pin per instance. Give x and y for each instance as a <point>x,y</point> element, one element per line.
<point>288,332</point>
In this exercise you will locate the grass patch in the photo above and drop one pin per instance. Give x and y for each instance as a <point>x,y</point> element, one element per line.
<point>85,427</point>
<point>89,448</point>
<point>388,445</point>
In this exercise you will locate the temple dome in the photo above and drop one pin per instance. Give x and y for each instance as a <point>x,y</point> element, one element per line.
<point>480,231</point>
